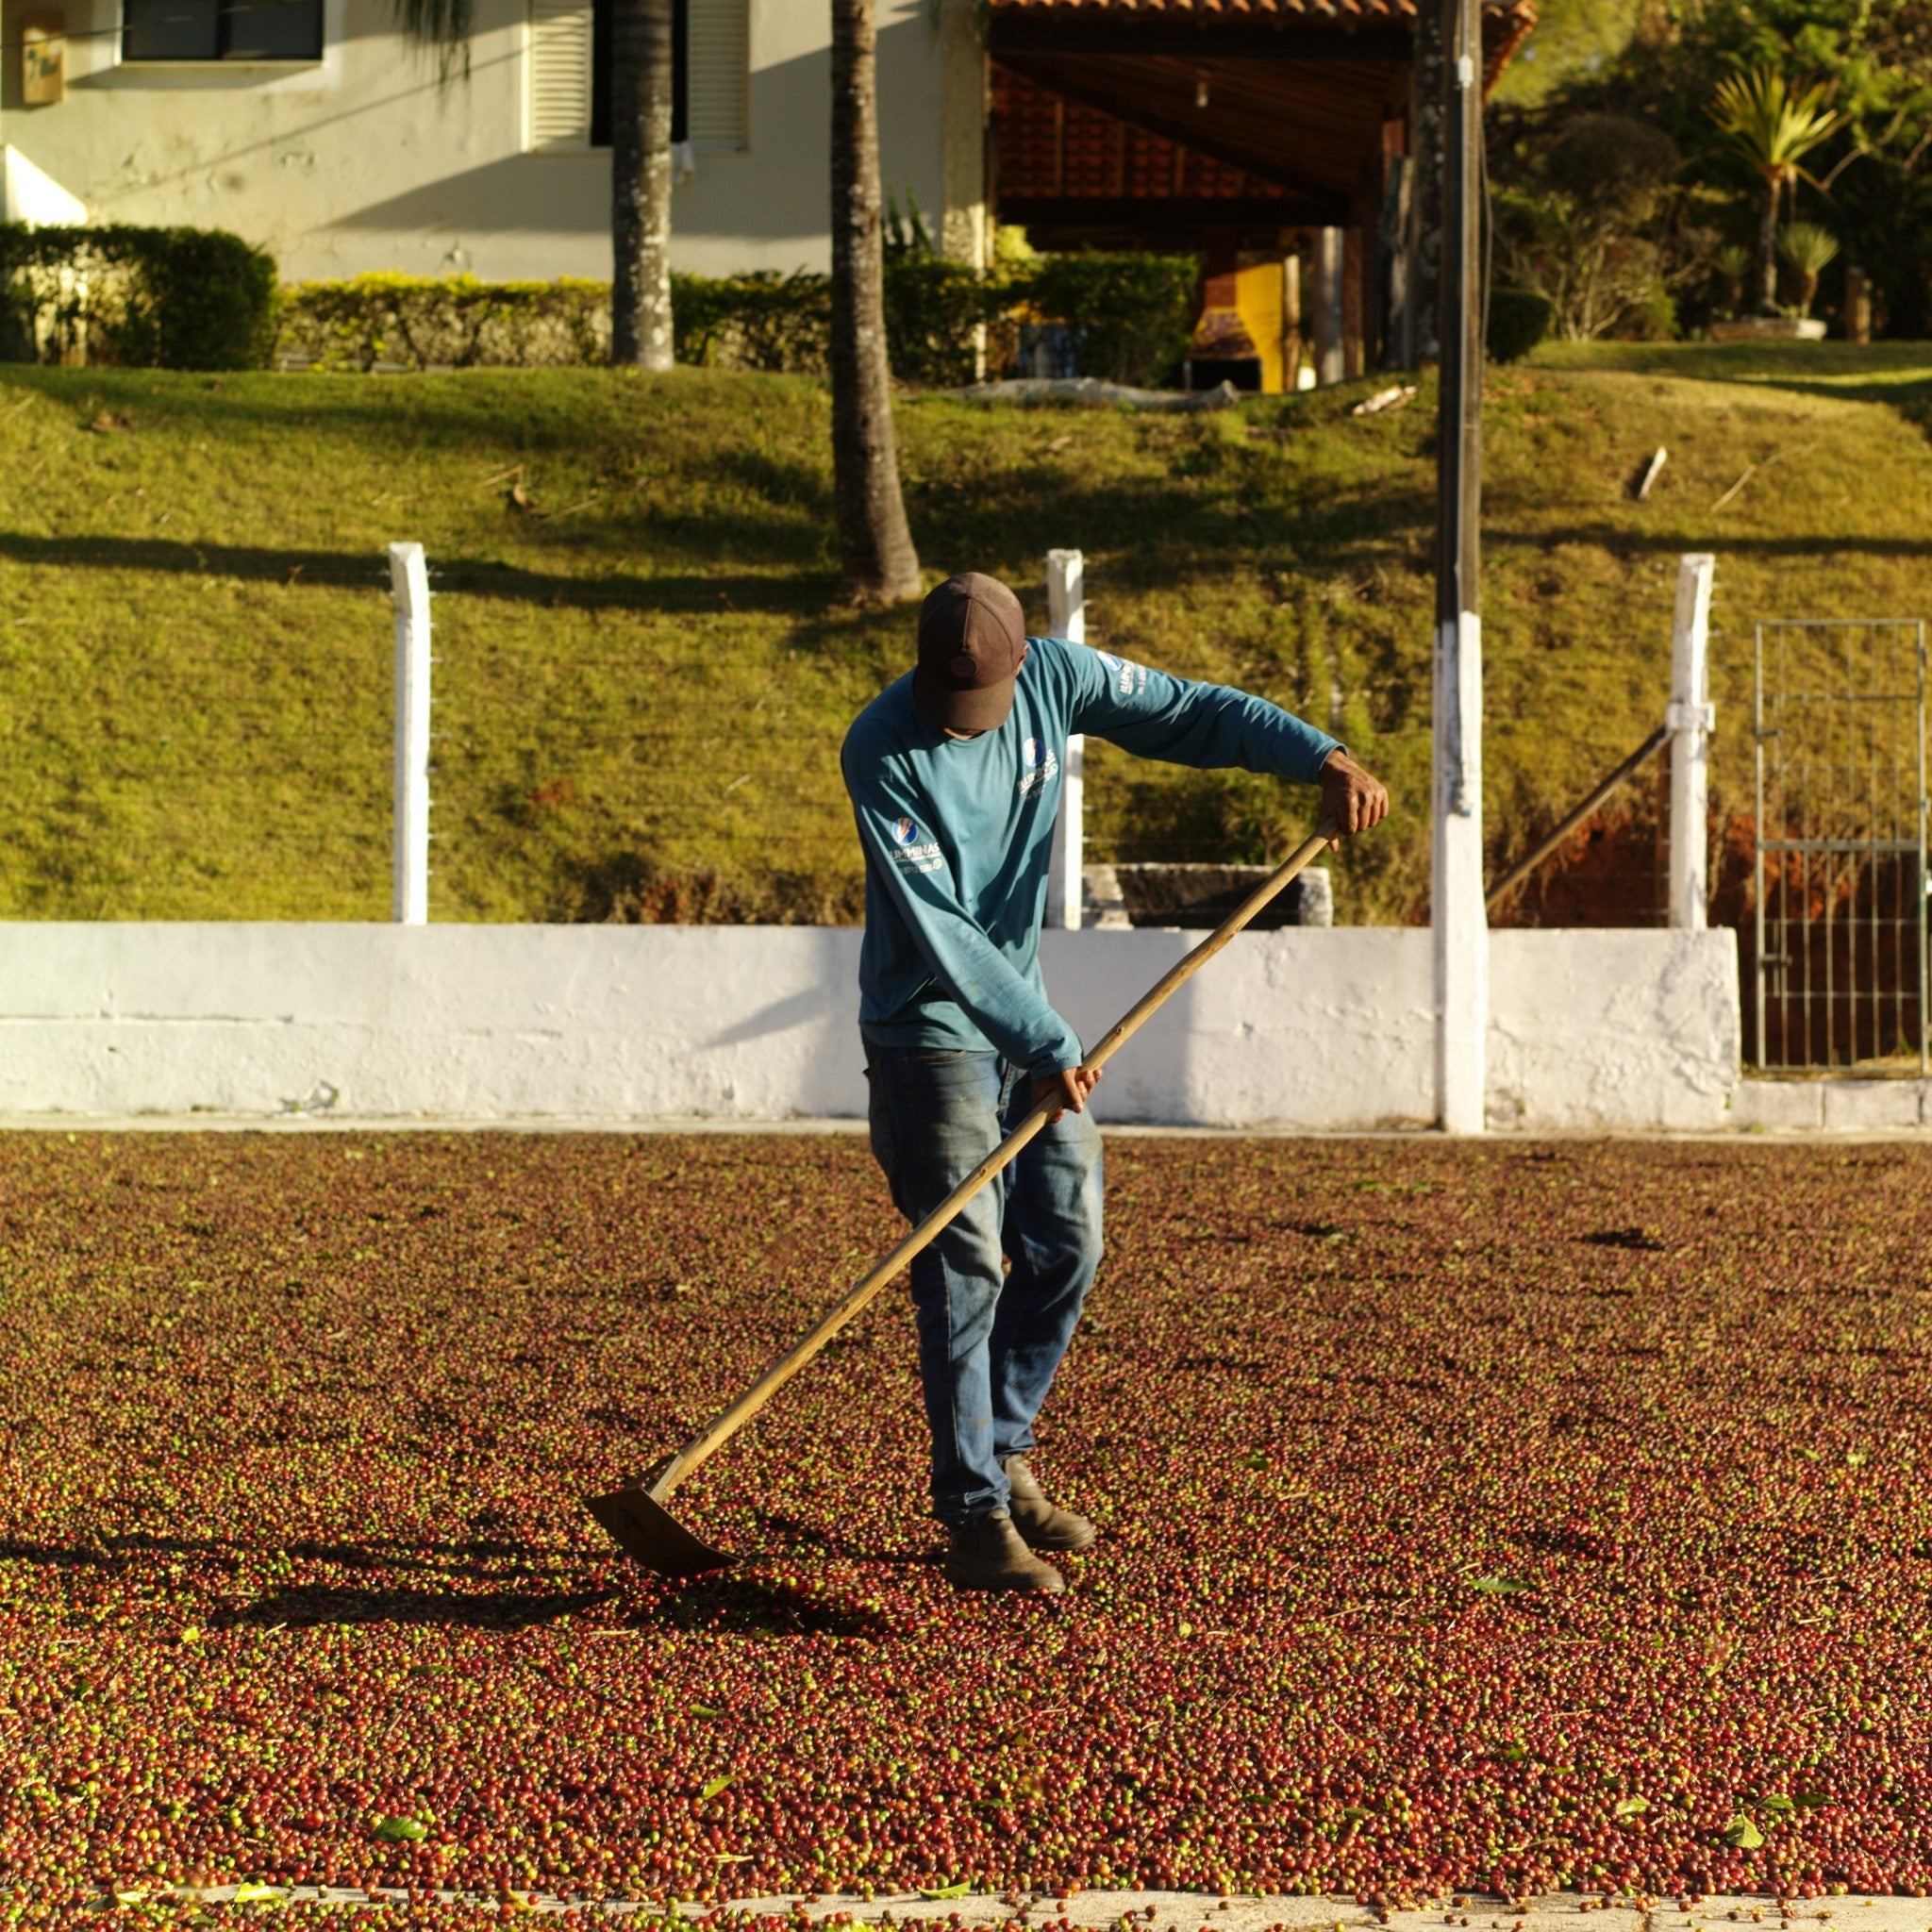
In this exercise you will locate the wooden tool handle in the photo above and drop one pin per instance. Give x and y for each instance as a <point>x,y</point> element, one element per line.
<point>666,1476</point>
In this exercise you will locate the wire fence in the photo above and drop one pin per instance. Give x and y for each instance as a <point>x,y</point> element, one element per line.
<point>640,773</point>
<point>1835,967</point>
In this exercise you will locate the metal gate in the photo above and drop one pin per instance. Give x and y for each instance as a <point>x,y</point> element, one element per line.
<point>1840,862</point>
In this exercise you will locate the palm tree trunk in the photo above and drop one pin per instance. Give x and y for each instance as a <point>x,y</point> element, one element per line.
<point>1767,251</point>
<point>641,81</point>
<point>875,553</point>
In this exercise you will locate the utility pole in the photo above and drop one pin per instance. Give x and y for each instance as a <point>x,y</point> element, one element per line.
<point>1458,917</point>
<point>1428,88</point>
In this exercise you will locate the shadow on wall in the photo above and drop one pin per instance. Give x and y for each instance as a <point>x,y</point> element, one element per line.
<point>802,1048</point>
<point>1149,1080</point>
<point>775,193</point>
<point>780,190</point>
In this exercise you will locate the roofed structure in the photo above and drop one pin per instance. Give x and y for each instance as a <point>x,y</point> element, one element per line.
<point>1212,123</point>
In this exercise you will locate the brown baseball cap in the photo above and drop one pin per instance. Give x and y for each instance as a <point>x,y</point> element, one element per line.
<point>972,642</point>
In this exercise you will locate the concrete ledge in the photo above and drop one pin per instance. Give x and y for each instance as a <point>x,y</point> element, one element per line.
<point>1777,1106</point>
<point>1831,1107</point>
<point>1867,1103</point>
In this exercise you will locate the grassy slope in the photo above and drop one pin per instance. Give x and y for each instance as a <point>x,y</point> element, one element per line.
<point>194,638</point>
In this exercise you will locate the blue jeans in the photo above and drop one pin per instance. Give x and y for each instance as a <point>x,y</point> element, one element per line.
<point>990,1340</point>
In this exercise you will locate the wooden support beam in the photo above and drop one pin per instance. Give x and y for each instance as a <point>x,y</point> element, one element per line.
<point>1223,40</point>
<point>1171,214</point>
<point>1087,91</point>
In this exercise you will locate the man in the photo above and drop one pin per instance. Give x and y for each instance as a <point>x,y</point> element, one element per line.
<point>954,774</point>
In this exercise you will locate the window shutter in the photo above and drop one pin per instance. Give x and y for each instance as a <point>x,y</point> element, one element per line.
<point>717,75</point>
<point>560,70</point>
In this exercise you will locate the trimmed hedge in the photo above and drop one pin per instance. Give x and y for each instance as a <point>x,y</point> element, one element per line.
<point>1130,315</point>
<point>1519,320</point>
<point>766,321</point>
<point>453,322</point>
<point>146,298</point>
<point>195,298</point>
<point>1124,317</point>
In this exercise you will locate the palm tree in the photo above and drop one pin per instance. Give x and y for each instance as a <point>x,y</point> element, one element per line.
<point>1731,264</point>
<point>1808,251</point>
<point>642,83</point>
<point>875,553</point>
<point>1774,126</point>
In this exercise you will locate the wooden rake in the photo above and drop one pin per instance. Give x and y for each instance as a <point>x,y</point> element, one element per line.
<point>637,1516</point>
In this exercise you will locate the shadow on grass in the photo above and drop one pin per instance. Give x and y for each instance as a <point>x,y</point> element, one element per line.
<point>1670,542</point>
<point>468,576</point>
<point>1897,373</point>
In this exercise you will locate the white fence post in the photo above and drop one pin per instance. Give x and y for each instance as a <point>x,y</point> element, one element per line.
<point>1066,617</point>
<point>1691,718</point>
<point>409,587</point>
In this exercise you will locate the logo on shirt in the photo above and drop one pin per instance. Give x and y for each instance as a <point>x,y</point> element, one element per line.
<point>1128,678</point>
<point>1038,764</point>
<point>919,855</point>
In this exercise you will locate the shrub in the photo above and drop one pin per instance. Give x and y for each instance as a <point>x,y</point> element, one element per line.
<point>935,312</point>
<point>1131,315</point>
<point>1127,316</point>
<point>1519,320</point>
<point>455,321</point>
<point>148,298</point>
<point>1808,250</point>
<point>1594,220</point>
<point>764,321</point>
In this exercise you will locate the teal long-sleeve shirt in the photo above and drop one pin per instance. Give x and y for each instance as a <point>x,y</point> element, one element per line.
<point>957,834</point>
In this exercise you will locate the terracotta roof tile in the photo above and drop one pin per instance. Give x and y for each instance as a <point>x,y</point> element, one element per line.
<point>1206,13</point>
<point>1252,12</point>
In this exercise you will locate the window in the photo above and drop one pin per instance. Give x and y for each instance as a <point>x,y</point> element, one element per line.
<point>221,30</point>
<point>570,73</point>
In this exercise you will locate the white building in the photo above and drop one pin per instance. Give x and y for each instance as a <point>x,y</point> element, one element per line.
<point>311,127</point>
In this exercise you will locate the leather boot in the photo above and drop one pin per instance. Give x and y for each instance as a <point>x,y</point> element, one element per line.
<point>988,1553</point>
<point>1044,1526</point>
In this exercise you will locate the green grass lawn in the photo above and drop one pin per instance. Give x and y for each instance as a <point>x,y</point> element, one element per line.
<point>647,677</point>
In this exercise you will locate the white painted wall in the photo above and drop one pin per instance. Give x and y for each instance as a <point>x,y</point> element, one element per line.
<point>361,161</point>
<point>1588,1028</point>
<point>29,194</point>
<point>1319,1029</point>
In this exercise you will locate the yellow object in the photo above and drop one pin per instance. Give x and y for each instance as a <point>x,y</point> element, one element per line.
<point>1260,323</point>
<point>1263,313</point>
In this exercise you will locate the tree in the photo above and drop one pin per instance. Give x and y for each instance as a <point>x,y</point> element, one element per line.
<point>1808,251</point>
<point>875,553</point>
<point>641,82</point>
<point>1876,168</point>
<point>1772,126</point>
<point>1587,227</point>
